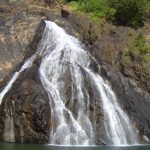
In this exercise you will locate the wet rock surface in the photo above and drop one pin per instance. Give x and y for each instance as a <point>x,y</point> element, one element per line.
<point>28,105</point>
<point>133,100</point>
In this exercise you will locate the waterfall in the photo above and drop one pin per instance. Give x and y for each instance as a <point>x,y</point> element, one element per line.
<point>26,65</point>
<point>64,67</point>
<point>116,121</point>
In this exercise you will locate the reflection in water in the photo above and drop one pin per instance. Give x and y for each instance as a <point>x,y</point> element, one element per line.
<point>6,146</point>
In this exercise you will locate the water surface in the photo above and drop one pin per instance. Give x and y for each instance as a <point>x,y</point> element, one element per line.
<point>10,146</point>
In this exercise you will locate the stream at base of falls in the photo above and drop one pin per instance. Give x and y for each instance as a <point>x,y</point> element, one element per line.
<point>10,146</point>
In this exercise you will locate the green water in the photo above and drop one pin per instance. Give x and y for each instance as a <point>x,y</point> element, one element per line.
<point>6,146</point>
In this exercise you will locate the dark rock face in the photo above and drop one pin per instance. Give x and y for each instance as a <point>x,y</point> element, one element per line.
<point>64,13</point>
<point>110,44</point>
<point>25,111</point>
<point>28,104</point>
<point>133,100</point>
<point>129,75</point>
<point>16,34</point>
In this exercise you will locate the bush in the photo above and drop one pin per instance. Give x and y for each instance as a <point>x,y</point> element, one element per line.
<point>128,12</point>
<point>97,7</point>
<point>140,45</point>
<point>122,12</point>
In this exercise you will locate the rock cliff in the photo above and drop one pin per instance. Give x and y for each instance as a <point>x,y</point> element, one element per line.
<point>27,104</point>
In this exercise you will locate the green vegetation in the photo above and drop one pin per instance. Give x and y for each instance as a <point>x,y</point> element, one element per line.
<point>127,12</point>
<point>140,45</point>
<point>122,12</point>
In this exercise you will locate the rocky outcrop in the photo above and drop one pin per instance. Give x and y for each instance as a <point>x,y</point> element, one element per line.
<point>129,75</point>
<point>25,112</point>
<point>114,46</point>
<point>16,33</point>
<point>133,100</point>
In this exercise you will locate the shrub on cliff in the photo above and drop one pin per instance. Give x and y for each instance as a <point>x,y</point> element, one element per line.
<point>98,7</point>
<point>127,12</point>
<point>122,12</point>
<point>140,45</point>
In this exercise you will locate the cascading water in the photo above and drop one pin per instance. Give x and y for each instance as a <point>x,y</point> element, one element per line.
<point>27,64</point>
<point>116,121</point>
<point>65,65</point>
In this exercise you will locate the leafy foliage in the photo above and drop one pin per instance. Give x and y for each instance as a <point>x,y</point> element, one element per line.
<point>122,12</point>
<point>128,12</point>
<point>140,45</point>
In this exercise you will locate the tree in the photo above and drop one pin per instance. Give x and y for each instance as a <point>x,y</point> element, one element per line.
<point>128,12</point>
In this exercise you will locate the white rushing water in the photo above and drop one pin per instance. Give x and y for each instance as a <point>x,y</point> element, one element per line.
<point>116,121</point>
<point>62,60</point>
<point>27,64</point>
